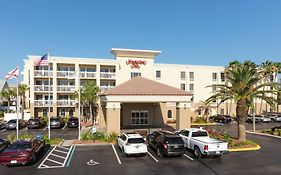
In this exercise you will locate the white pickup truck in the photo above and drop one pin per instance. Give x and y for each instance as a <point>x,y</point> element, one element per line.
<point>199,141</point>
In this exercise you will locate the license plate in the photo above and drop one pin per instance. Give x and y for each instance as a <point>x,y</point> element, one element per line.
<point>217,152</point>
<point>176,146</point>
<point>14,161</point>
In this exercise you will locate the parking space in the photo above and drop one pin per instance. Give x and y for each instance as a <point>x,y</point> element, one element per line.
<point>57,158</point>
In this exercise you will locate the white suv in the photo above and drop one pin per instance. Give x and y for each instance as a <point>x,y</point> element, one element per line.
<point>132,143</point>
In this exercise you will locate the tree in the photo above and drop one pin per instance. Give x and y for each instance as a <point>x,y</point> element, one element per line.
<point>22,90</point>
<point>205,109</point>
<point>244,83</point>
<point>8,94</point>
<point>89,97</point>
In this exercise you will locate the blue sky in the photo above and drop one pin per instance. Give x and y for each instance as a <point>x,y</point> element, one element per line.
<point>197,32</point>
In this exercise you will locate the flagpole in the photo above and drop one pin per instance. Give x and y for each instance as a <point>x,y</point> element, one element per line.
<point>18,107</point>
<point>49,110</point>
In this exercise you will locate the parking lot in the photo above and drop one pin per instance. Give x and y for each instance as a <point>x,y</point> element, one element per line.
<point>65,133</point>
<point>108,159</point>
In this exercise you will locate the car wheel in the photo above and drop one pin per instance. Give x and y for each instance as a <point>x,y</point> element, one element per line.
<point>159,153</point>
<point>33,160</point>
<point>123,153</point>
<point>197,152</point>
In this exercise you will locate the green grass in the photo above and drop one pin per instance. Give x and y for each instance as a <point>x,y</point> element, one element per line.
<point>276,132</point>
<point>52,141</point>
<point>100,136</point>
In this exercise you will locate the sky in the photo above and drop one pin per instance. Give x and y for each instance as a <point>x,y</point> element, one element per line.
<point>198,32</point>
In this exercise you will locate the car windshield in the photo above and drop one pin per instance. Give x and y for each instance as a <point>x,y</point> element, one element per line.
<point>173,140</point>
<point>20,146</point>
<point>199,134</point>
<point>136,140</point>
<point>12,121</point>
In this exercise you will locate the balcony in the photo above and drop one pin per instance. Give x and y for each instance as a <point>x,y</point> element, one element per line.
<point>66,103</point>
<point>43,73</point>
<point>65,88</point>
<point>65,74</point>
<point>107,75</point>
<point>87,74</point>
<point>42,103</point>
<point>42,88</point>
<point>105,88</point>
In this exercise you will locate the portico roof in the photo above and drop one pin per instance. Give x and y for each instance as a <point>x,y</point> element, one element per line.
<point>134,52</point>
<point>140,86</point>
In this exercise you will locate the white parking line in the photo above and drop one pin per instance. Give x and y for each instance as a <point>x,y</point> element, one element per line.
<point>46,158</point>
<point>61,151</point>
<point>117,157</point>
<point>188,157</point>
<point>55,161</point>
<point>64,127</point>
<point>152,156</point>
<point>63,148</point>
<point>45,128</point>
<point>58,156</point>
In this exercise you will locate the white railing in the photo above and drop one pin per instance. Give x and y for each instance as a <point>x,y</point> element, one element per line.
<point>66,74</point>
<point>105,88</point>
<point>42,73</point>
<point>42,103</point>
<point>65,88</point>
<point>107,75</point>
<point>87,74</point>
<point>42,88</point>
<point>66,102</point>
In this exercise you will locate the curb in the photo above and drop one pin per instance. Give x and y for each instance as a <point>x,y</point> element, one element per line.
<point>93,144</point>
<point>256,148</point>
<point>203,124</point>
<point>263,134</point>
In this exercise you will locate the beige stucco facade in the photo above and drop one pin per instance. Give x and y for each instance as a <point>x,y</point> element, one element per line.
<point>68,74</point>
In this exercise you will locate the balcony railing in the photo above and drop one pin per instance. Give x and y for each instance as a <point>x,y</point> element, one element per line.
<point>42,88</point>
<point>42,103</point>
<point>42,73</point>
<point>66,74</point>
<point>107,75</point>
<point>87,74</point>
<point>105,88</point>
<point>66,102</point>
<point>65,88</point>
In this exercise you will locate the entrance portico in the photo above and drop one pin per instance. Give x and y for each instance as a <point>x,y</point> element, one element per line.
<point>143,102</point>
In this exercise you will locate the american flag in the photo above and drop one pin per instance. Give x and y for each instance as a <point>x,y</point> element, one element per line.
<point>13,73</point>
<point>43,61</point>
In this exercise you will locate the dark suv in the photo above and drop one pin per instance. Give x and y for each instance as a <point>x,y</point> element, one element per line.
<point>36,123</point>
<point>56,122</point>
<point>166,143</point>
<point>221,118</point>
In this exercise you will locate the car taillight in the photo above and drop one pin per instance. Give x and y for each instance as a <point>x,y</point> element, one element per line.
<point>145,143</point>
<point>165,146</point>
<point>206,148</point>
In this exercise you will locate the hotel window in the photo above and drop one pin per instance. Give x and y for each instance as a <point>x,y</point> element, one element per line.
<point>135,74</point>
<point>214,76</point>
<point>191,87</point>
<point>182,86</point>
<point>158,74</point>
<point>139,118</point>
<point>170,114</point>
<point>191,76</point>
<point>222,77</point>
<point>182,75</point>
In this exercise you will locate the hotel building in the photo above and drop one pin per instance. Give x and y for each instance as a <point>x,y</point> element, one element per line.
<point>134,90</point>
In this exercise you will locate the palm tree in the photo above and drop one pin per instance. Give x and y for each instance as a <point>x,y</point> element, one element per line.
<point>205,109</point>
<point>22,90</point>
<point>8,94</point>
<point>89,97</point>
<point>244,83</point>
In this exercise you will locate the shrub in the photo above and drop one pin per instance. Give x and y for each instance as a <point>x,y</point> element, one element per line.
<point>112,137</point>
<point>11,138</point>
<point>200,120</point>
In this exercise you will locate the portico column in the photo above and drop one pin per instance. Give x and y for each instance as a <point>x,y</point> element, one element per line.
<point>183,116</point>
<point>113,117</point>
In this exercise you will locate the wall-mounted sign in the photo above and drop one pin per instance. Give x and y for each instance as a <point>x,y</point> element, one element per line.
<point>135,63</point>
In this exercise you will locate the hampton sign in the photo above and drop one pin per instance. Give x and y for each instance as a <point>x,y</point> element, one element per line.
<point>135,63</point>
